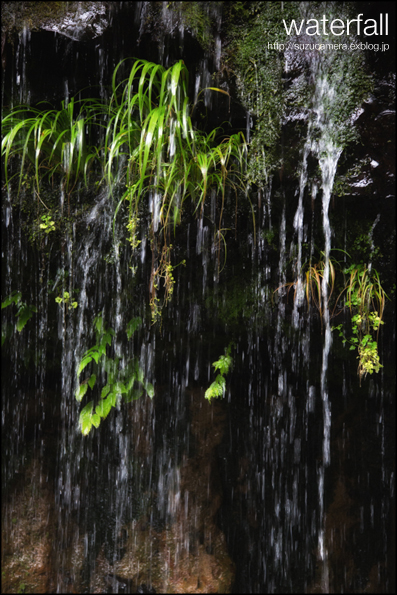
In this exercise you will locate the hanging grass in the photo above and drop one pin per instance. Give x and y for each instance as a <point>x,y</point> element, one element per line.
<point>167,159</point>
<point>365,299</point>
<point>150,123</point>
<point>147,143</point>
<point>312,279</point>
<point>147,140</point>
<point>53,141</point>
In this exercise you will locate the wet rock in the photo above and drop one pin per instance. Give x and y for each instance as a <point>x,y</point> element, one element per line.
<point>117,584</point>
<point>189,553</point>
<point>75,20</point>
<point>27,534</point>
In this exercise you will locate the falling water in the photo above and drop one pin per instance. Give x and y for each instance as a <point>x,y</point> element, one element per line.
<point>255,492</point>
<point>21,62</point>
<point>328,155</point>
<point>298,226</point>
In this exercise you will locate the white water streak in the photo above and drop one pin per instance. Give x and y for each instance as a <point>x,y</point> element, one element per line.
<point>327,152</point>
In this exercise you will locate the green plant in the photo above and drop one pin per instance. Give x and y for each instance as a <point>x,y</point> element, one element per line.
<point>365,298</point>
<point>22,588</point>
<point>145,140</point>
<point>66,300</point>
<point>313,275</point>
<point>166,155</point>
<point>224,363</point>
<point>24,311</point>
<point>164,271</point>
<point>269,236</point>
<point>125,380</point>
<point>48,224</point>
<point>168,160</point>
<point>54,141</point>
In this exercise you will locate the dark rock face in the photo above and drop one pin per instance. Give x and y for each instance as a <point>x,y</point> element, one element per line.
<point>177,494</point>
<point>79,21</point>
<point>187,553</point>
<point>191,540</point>
<point>29,521</point>
<point>117,584</point>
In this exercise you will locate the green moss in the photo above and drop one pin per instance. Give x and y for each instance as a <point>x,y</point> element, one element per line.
<point>195,16</point>
<point>241,300</point>
<point>33,15</point>
<point>259,76</point>
<point>268,96</point>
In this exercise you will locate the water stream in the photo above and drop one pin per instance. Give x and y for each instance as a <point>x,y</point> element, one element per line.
<point>284,485</point>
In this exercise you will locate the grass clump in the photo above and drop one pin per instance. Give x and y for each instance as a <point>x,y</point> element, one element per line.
<point>142,139</point>
<point>365,299</point>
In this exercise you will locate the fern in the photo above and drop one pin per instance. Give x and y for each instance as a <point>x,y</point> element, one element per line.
<point>127,382</point>
<point>224,364</point>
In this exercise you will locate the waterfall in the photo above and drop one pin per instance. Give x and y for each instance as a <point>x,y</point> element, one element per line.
<point>328,154</point>
<point>298,226</point>
<point>262,490</point>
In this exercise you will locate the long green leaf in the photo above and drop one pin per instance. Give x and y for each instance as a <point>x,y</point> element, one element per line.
<point>81,392</point>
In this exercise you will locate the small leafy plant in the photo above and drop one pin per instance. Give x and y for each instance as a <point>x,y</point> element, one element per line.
<point>24,311</point>
<point>54,141</point>
<point>165,272</point>
<point>144,139</point>
<point>48,224</point>
<point>218,387</point>
<point>66,300</point>
<point>366,300</point>
<point>125,381</point>
<point>313,275</point>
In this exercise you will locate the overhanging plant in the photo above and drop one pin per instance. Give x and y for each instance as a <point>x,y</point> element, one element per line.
<point>54,141</point>
<point>145,140</point>
<point>363,295</point>
<point>123,380</point>
<point>168,160</point>
<point>223,365</point>
<point>365,298</point>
